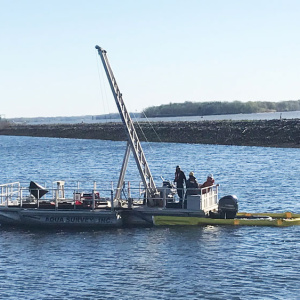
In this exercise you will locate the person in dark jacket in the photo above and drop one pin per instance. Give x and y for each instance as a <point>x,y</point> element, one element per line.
<point>192,186</point>
<point>179,179</point>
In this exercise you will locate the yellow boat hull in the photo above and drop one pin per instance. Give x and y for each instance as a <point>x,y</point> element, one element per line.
<point>277,220</point>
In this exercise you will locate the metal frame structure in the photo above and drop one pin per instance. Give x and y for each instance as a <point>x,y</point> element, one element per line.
<point>133,143</point>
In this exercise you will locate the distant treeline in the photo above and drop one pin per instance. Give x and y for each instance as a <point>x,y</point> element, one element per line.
<point>219,108</point>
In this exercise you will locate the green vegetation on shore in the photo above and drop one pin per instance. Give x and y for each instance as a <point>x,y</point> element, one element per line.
<point>219,108</point>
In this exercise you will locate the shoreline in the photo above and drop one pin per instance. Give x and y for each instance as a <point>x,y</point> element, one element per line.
<point>283,133</point>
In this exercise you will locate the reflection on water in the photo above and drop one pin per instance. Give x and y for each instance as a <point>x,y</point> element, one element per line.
<point>213,262</point>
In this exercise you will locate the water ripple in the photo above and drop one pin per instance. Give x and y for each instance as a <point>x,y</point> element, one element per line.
<point>157,263</point>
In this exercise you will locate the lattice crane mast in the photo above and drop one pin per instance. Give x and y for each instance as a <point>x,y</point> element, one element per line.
<point>133,142</point>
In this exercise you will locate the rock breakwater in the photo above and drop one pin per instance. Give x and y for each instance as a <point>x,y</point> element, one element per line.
<point>265,133</point>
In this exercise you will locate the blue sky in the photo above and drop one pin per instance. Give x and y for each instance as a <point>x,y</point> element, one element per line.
<point>161,51</point>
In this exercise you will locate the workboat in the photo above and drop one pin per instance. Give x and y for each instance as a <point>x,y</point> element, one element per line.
<point>86,205</point>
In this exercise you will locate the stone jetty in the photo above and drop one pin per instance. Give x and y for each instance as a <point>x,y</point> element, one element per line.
<point>263,133</point>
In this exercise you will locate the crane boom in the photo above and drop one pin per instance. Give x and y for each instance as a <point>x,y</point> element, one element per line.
<point>133,143</point>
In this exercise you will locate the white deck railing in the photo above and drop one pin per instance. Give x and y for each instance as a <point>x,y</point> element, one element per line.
<point>209,197</point>
<point>13,194</point>
<point>10,193</point>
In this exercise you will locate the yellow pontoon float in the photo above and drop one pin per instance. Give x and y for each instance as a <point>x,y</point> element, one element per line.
<point>241,219</point>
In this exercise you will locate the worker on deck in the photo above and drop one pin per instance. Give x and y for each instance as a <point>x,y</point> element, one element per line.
<point>209,182</point>
<point>192,186</point>
<point>179,179</point>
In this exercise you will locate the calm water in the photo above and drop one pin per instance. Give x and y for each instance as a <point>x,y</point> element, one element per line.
<point>156,263</point>
<point>254,116</point>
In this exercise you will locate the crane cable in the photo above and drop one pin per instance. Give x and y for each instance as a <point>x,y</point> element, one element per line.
<point>143,133</point>
<point>152,126</point>
<point>102,87</point>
